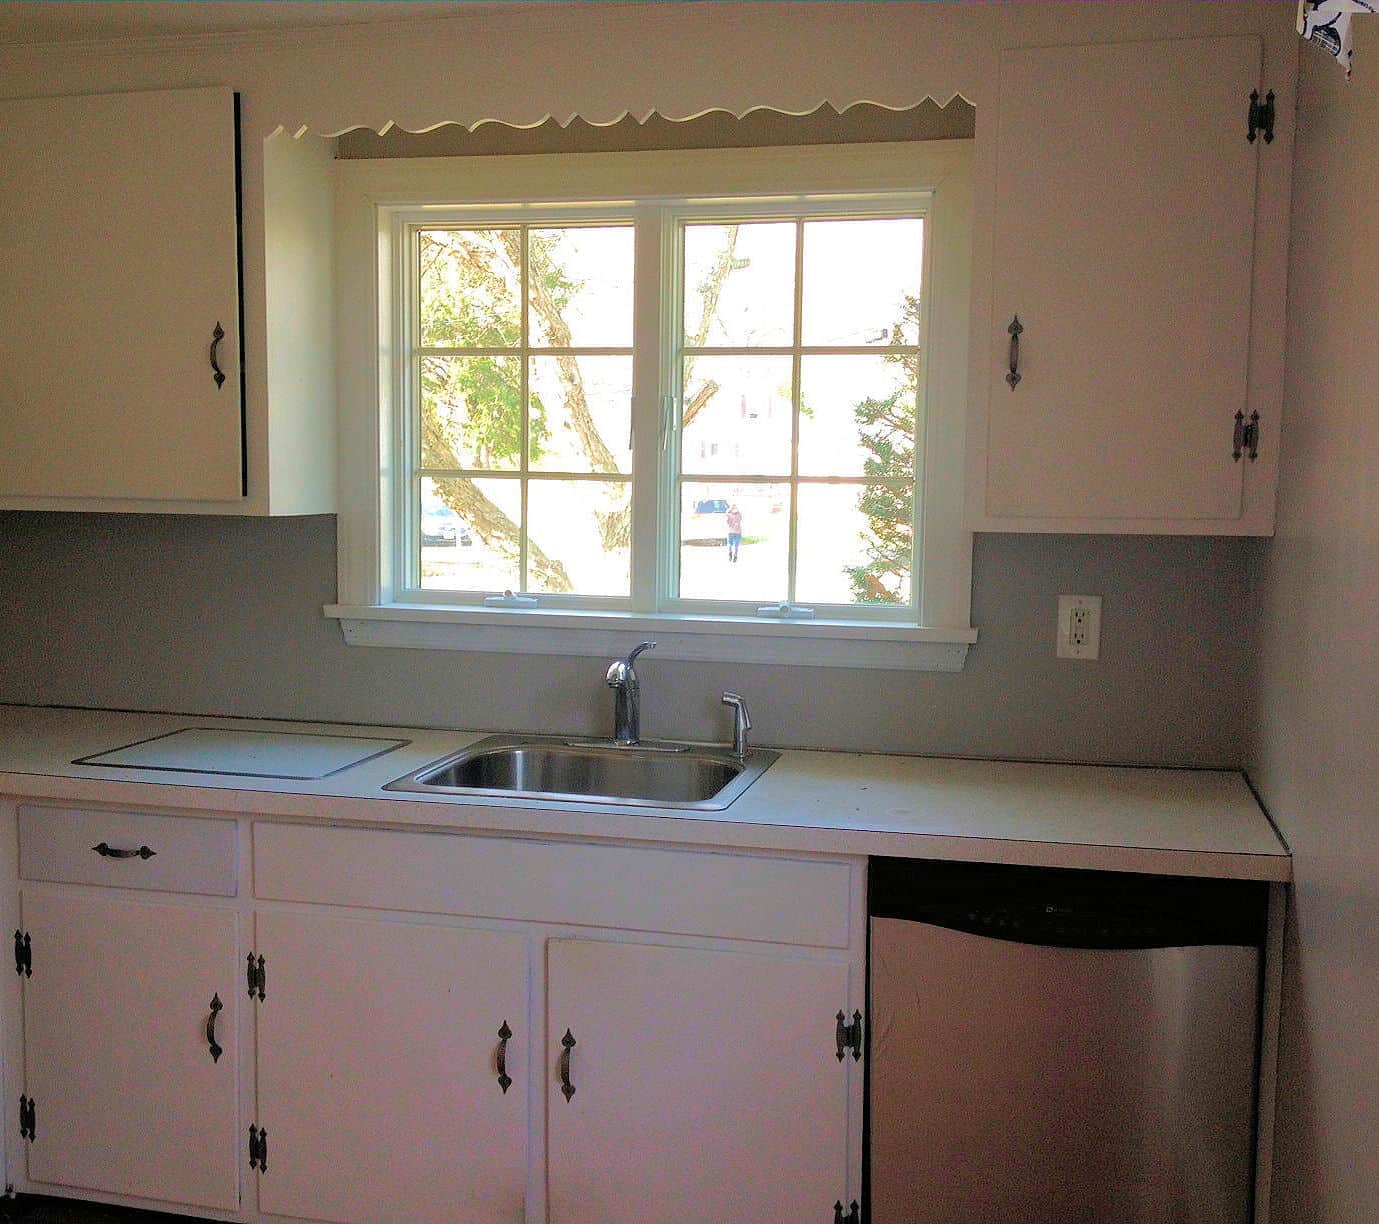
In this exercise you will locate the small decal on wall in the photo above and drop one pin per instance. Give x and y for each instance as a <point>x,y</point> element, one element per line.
<point>1327,22</point>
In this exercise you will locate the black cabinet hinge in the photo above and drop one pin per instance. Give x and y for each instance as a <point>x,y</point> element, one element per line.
<point>258,1149</point>
<point>258,978</point>
<point>853,1216</point>
<point>849,1036</point>
<point>1261,117</point>
<point>28,1119</point>
<point>23,954</point>
<point>1246,437</point>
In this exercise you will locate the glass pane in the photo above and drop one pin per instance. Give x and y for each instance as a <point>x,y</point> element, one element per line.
<point>734,541</point>
<point>470,535</point>
<point>855,544</point>
<point>743,278</point>
<point>471,412</point>
<point>471,288</point>
<point>737,416</point>
<point>857,416</point>
<point>580,284</point>
<point>581,537</point>
<point>581,414</point>
<point>861,281</point>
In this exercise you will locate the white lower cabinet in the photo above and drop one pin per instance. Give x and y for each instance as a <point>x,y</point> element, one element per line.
<point>693,1085</point>
<point>118,1048</point>
<point>404,1054</point>
<point>378,1051</point>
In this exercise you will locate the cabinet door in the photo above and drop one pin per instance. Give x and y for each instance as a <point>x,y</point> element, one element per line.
<point>118,259</point>
<point>128,1099</point>
<point>1124,241</point>
<point>377,1070</point>
<point>707,1085</point>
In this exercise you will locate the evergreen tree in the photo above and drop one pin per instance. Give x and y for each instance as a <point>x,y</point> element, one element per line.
<point>886,430</point>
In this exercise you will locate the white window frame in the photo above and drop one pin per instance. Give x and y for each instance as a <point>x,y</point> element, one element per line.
<point>376,200</point>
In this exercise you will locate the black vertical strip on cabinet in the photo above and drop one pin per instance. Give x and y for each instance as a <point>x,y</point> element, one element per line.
<point>239,275</point>
<point>866,1070</point>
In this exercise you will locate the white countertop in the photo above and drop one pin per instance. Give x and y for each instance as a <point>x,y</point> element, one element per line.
<point>1174,821</point>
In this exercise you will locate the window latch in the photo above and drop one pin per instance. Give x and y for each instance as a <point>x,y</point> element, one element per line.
<point>787,611</point>
<point>508,600</point>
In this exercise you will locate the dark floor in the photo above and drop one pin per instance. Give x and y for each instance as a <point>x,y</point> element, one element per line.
<point>33,1209</point>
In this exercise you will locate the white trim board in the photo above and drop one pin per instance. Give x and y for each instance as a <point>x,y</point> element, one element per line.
<point>816,644</point>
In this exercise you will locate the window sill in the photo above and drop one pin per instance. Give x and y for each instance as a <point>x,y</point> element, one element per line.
<point>815,643</point>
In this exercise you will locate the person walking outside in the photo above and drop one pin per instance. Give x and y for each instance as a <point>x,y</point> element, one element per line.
<point>734,532</point>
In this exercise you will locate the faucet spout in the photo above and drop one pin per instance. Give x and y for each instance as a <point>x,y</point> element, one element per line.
<point>627,696</point>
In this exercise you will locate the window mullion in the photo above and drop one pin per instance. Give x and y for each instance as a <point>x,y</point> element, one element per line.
<point>649,384</point>
<point>406,499</point>
<point>525,457</point>
<point>795,397</point>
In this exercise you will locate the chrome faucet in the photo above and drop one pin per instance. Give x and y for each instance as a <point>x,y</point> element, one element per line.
<point>742,723</point>
<point>627,697</point>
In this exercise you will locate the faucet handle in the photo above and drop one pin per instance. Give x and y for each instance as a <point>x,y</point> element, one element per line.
<point>620,671</point>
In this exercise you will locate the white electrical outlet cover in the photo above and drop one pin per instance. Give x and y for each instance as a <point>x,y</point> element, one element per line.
<point>1079,626</point>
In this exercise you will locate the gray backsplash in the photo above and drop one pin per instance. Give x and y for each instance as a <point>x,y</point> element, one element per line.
<point>223,616</point>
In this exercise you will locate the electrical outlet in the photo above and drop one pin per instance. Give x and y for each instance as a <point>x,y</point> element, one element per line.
<point>1079,626</point>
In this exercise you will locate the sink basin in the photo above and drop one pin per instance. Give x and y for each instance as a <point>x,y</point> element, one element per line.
<point>650,774</point>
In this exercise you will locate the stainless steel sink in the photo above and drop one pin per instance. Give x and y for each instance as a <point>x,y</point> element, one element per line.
<point>651,774</point>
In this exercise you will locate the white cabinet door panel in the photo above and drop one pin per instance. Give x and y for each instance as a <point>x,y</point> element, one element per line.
<point>707,1085</point>
<point>128,1098</point>
<point>377,1076</point>
<point>1124,241</point>
<point>118,257</point>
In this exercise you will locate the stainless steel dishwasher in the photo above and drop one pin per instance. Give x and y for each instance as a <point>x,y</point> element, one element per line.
<point>1058,1046</point>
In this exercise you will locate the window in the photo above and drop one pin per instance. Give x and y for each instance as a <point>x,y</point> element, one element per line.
<point>517,412</point>
<point>715,395</point>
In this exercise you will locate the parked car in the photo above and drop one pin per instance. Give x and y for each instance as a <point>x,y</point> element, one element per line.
<point>440,528</point>
<point>707,522</point>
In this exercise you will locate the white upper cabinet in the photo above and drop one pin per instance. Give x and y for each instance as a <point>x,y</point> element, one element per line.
<point>119,270</point>
<point>1127,241</point>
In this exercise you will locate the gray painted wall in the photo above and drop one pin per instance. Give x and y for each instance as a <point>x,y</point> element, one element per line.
<point>1314,759</point>
<point>223,616</point>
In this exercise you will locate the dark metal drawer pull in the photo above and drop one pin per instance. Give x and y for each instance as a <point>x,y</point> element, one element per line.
<point>216,337</point>
<point>568,1042</point>
<point>143,852</point>
<point>212,1044</point>
<point>504,1080</point>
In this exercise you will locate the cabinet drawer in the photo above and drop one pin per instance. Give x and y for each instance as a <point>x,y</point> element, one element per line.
<point>189,854</point>
<point>682,892</point>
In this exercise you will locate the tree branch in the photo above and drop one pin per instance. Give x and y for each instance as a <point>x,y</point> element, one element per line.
<point>493,526</point>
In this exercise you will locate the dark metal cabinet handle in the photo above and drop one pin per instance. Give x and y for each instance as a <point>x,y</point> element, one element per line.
<point>1015,329</point>
<point>143,852</point>
<point>504,1080</point>
<point>216,337</point>
<point>211,1043</point>
<point>568,1042</point>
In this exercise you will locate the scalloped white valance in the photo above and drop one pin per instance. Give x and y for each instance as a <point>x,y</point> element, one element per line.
<point>525,64</point>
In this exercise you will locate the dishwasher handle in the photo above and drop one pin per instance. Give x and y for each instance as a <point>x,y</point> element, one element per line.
<point>1062,908</point>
